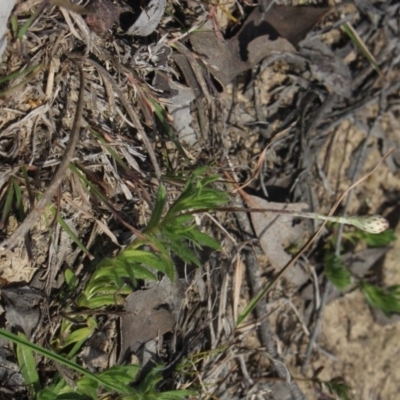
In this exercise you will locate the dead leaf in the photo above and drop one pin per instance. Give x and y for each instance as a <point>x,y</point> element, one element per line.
<point>276,232</point>
<point>179,108</point>
<point>22,306</point>
<point>148,20</point>
<point>150,313</point>
<point>102,15</point>
<point>326,67</point>
<point>227,59</point>
<point>279,31</point>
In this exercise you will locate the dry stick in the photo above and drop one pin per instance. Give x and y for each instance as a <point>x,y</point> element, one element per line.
<point>41,205</point>
<point>132,113</point>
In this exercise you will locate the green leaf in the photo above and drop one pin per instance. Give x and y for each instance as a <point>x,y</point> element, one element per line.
<point>338,387</point>
<point>140,272</point>
<point>19,201</point>
<point>336,271</point>
<point>71,234</point>
<point>143,257</point>
<point>113,153</point>
<point>175,394</point>
<point>19,73</point>
<point>27,365</point>
<point>78,336</point>
<point>70,279</point>
<point>376,239</point>
<point>20,341</point>
<point>158,208</point>
<point>386,299</point>
<point>352,34</point>
<point>160,114</point>
<point>87,387</point>
<point>121,374</point>
<point>184,253</point>
<point>100,301</point>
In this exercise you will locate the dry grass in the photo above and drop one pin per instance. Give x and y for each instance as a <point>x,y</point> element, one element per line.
<point>124,151</point>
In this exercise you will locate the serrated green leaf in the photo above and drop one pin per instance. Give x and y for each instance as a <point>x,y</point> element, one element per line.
<point>205,240</point>
<point>336,271</point>
<point>100,285</point>
<point>386,299</point>
<point>184,253</point>
<point>142,257</point>
<point>72,395</point>
<point>377,239</point>
<point>27,365</point>
<point>102,301</point>
<point>338,387</point>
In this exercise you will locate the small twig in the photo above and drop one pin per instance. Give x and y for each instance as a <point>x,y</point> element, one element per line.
<point>47,196</point>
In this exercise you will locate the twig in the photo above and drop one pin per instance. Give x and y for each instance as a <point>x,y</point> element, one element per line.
<point>47,196</point>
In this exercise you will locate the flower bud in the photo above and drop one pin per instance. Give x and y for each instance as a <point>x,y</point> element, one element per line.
<point>370,223</point>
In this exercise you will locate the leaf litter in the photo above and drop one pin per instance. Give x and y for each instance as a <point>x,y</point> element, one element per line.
<point>308,165</point>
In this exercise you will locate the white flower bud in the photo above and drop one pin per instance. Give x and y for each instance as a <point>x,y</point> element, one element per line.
<point>370,223</point>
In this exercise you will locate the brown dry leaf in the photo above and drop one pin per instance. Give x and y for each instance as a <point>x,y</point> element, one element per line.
<point>102,15</point>
<point>150,313</point>
<point>22,306</point>
<point>276,232</point>
<point>279,30</point>
<point>227,59</point>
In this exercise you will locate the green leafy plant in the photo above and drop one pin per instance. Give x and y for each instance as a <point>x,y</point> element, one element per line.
<point>336,271</point>
<point>385,299</point>
<point>371,239</point>
<point>168,232</point>
<point>338,387</point>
